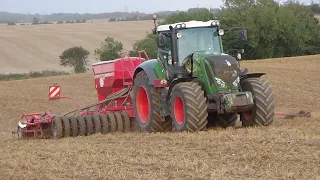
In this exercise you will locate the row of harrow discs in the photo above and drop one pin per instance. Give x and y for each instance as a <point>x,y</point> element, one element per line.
<point>51,126</point>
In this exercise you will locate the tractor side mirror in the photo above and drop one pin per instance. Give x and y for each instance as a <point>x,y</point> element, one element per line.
<point>160,41</point>
<point>243,35</point>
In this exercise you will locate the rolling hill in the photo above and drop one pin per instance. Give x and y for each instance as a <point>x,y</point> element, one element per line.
<point>37,47</point>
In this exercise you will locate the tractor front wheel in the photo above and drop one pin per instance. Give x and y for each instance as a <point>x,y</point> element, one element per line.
<point>147,106</point>
<point>262,113</point>
<point>188,107</point>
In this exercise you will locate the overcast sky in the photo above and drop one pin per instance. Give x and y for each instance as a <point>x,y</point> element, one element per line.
<point>99,6</point>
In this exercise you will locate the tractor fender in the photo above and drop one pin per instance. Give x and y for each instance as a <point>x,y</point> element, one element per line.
<point>251,75</point>
<point>152,68</point>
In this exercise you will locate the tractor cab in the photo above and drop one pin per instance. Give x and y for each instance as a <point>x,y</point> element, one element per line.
<point>191,37</point>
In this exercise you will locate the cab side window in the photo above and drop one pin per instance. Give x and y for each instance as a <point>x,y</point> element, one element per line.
<point>165,52</point>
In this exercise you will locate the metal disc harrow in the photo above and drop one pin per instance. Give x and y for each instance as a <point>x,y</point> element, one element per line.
<point>70,126</point>
<point>118,121</point>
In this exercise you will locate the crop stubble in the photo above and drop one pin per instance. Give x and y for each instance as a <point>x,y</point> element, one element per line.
<point>287,149</point>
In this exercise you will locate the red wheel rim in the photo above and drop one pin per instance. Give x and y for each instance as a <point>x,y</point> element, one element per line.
<point>178,109</point>
<point>247,115</point>
<point>142,104</point>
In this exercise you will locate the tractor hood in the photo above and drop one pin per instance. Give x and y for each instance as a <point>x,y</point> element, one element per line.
<point>224,67</point>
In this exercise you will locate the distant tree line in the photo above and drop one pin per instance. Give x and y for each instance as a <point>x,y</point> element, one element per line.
<point>6,17</point>
<point>36,21</point>
<point>161,15</point>
<point>274,30</point>
<point>315,7</point>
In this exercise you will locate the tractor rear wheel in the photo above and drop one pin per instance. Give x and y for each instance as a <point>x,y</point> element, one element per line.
<point>147,106</point>
<point>188,107</point>
<point>262,113</point>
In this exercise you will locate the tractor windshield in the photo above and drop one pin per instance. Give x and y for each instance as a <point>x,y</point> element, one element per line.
<point>198,39</point>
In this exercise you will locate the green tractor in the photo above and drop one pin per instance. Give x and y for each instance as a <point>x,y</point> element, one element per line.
<point>193,85</point>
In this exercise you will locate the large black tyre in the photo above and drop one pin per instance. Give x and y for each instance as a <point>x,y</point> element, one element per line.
<point>147,106</point>
<point>104,124</point>
<point>56,128</point>
<point>82,126</point>
<point>222,120</point>
<point>126,121</point>
<point>74,126</point>
<point>262,113</point>
<point>89,124</point>
<point>97,123</point>
<point>188,107</point>
<point>66,126</point>
<point>112,122</point>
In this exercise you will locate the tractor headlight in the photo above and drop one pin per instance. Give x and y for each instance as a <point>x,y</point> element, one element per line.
<point>221,32</point>
<point>220,82</point>
<point>182,25</point>
<point>236,82</point>
<point>215,23</point>
<point>188,67</point>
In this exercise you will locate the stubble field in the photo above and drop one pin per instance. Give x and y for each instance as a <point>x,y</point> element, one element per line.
<point>37,47</point>
<point>288,149</point>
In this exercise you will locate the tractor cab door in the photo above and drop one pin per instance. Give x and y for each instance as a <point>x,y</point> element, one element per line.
<point>164,48</point>
<point>165,53</point>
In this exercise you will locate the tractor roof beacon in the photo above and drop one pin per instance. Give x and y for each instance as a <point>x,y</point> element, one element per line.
<point>193,84</point>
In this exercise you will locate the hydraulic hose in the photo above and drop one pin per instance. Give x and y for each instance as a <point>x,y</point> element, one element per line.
<point>125,92</point>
